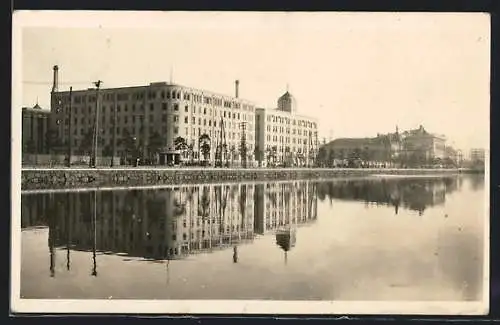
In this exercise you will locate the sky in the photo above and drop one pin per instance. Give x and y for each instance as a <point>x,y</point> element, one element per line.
<point>358,74</point>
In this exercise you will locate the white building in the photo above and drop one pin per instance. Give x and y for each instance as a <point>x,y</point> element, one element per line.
<point>283,137</point>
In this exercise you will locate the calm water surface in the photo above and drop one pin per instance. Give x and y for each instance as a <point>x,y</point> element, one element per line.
<point>360,239</point>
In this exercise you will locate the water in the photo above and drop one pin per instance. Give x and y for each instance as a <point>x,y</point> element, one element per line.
<point>360,239</point>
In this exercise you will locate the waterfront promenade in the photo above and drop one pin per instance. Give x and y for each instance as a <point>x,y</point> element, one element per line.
<point>74,178</point>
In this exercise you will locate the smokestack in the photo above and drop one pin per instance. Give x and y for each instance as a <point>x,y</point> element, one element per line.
<point>55,84</point>
<point>236,88</point>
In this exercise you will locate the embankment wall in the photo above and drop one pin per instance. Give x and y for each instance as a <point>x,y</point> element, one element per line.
<point>72,178</point>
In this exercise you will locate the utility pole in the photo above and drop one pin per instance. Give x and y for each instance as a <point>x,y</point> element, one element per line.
<point>70,138</point>
<point>243,149</point>
<point>93,161</point>
<point>113,153</point>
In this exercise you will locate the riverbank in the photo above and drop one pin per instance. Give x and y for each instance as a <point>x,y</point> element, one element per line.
<point>73,178</point>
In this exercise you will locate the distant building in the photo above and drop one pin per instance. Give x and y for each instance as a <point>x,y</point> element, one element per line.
<point>35,123</point>
<point>376,150</point>
<point>423,146</point>
<point>283,136</point>
<point>477,154</point>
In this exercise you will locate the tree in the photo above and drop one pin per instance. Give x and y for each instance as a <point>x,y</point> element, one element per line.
<point>107,151</point>
<point>331,158</point>
<point>258,154</point>
<point>52,141</point>
<point>204,145</point>
<point>29,147</point>
<point>321,158</point>
<point>180,144</point>
<point>87,143</point>
<point>190,150</point>
<point>155,145</point>
<point>130,145</point>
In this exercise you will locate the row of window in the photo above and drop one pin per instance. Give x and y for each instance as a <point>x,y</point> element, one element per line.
<point>281,129</point>
<point>282,139</point>
<point>140,119</point>
<point>164,107</point>
<point>292,121</point>
<point>154,95</point>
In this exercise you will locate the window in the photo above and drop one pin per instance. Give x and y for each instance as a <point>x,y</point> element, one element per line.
<point>151,107</point>
<point>186,119</point>
<point>164,106</point>
<point>176,107</point>
<point>186,109</point>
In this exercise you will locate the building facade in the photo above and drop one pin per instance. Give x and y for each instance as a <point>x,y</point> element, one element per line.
<point>284,137</point>
<point>158,118</point>
<point>35,124</point>
<point>413,147</point>
<point>375,151</point>
<point>420,145</point>
<point>477,154</point>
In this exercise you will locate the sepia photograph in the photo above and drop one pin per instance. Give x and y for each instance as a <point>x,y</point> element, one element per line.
<point>250,163</point>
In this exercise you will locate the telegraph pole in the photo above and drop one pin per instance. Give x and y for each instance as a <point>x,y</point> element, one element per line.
<point>113,153</point>
<point>243,149</point>
<point>70,138</point>
<point>93,161</point>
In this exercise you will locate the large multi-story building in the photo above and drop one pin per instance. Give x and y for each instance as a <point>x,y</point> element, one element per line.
<point>35,123</point>
<point>161,117</point>
<point>283,136</point>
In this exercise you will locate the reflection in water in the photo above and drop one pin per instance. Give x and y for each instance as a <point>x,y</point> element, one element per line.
<point>415,194</point>
<point>166,224</point>
<point>162,225</point>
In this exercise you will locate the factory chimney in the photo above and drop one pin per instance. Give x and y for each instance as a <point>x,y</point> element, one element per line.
<point>55,84</point>
<point>236,88</point>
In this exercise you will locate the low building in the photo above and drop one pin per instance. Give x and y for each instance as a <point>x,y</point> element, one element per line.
<point>35,123</point>
<point>376,151</point>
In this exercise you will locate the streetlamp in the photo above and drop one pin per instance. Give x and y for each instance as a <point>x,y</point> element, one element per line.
<point>93,161</point>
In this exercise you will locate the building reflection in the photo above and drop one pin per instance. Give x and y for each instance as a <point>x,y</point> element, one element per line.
<point>166,224</point>
<point>415,194</point>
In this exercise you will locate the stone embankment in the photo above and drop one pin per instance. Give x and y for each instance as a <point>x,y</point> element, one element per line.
<point>66,178</point>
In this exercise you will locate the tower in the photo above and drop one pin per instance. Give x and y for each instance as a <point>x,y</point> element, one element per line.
<point>55,81</point>
<point>236,88</point>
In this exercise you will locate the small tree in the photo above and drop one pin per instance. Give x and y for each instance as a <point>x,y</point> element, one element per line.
<point>321,157</point>
<point>130,145</point>
<point>155,145</point>
<point>87,143</point>
<point>29,147</point>
<point>259,153</point>
<point>204,145</point>
<point>52,141</point>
